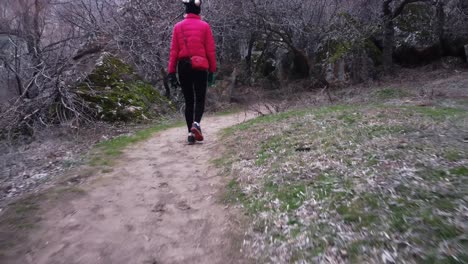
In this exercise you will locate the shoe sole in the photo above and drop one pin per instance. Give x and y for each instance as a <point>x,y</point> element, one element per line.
<point>197,133</point>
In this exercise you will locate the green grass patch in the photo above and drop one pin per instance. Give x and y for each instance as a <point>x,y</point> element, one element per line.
<point>262,120</point>
<point>357,249</point>
<point>444,204</point>
<point>432,174</point>
<point>361,211</point>
<point>234,192</point>
<point>229,111</point>
<point>324,185</point>
<point>59,192</point>
<point>391,93</point>
<point>350,118</point>
<point>284,116</point>
<point>268,150</point>
<point>291,196</point>
<point>399,217</point>
<point>453,155</point>
<point>375,131</point>
<point>221,162</point>
<point>460,171</point>
<point>437,113</point>
<point>107,170</point>
<point>104,152</point>
<point>440,229</point>
<point>378,172</point>
<point>331,110</point>
<point>22,215</point>
<point>24,208</point>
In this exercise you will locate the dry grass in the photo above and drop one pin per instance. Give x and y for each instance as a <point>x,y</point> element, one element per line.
<point>353,184</point>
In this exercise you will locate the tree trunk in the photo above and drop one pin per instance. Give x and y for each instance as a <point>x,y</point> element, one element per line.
<point>440,22</point>
<point>301,66</point>
<point>232,86</point>
<point>248,58</point>
<point>388,37</point>
<point>32,34</point>
<point>19,83</point>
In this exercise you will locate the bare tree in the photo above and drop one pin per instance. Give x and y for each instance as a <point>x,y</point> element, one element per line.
<point>40,48</point>
<point>41,40</point>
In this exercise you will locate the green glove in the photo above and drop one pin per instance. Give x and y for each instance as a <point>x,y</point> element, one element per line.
<point>211,79</point>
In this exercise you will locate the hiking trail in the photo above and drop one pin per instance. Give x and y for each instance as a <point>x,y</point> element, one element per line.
<point>160,204</point>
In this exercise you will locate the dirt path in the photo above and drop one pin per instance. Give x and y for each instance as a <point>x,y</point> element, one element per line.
<point>160,204</point>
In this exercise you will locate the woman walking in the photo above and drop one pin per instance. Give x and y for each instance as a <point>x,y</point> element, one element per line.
<point>193,56</point>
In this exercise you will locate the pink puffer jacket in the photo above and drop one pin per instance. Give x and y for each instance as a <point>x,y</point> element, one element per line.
<point>199,38</point>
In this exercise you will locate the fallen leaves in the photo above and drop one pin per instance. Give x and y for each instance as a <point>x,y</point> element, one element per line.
<point>372,187</point>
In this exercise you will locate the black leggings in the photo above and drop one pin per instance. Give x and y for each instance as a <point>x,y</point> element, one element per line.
<point>193,84</point>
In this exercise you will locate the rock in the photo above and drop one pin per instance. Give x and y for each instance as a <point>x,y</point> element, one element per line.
<point>451,62</point>
<point>456,28</point>
<point>159,208</point>
<point>424,33</point>
<point>416,38</point>
<point>387,258</point>
<point>344,253</point>
<point>132,109</point>
<point>115,92</point>
<point>39,176</point>
<point>6,188</point>
<point>183,205</point>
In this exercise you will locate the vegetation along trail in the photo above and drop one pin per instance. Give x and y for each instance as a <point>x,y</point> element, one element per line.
<point>159,204</point>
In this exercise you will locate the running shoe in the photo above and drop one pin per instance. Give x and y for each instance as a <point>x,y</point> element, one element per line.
<point>191,139</point>
<point>196,130</point>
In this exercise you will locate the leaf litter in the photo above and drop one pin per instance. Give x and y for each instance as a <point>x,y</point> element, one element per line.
<point>374,184</point>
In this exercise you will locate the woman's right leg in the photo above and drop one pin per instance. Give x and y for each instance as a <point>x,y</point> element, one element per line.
<point>199,84</point>
<point>186,81</point>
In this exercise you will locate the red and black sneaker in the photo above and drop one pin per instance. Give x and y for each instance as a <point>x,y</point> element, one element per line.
<point>196,130</point>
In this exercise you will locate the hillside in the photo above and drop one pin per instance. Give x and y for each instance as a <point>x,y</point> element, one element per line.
<point>378,182</point>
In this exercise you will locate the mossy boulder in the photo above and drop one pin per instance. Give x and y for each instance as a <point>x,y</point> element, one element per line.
<point>417,41</point>
<point>425,32</point>
<point>417,22</point>
<point>348,36</point>
<point>347,54</point>
<point>115,92</point>
<point>456,29</point>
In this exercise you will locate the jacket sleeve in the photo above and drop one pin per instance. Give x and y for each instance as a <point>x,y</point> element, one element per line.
<point>173,53</point>
<point>210,49</point>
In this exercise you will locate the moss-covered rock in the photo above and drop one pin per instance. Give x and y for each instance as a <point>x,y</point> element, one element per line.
<point>116,93</point>
<point>347,54</point>
<point>417,18</point>
<point>417,41</point>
